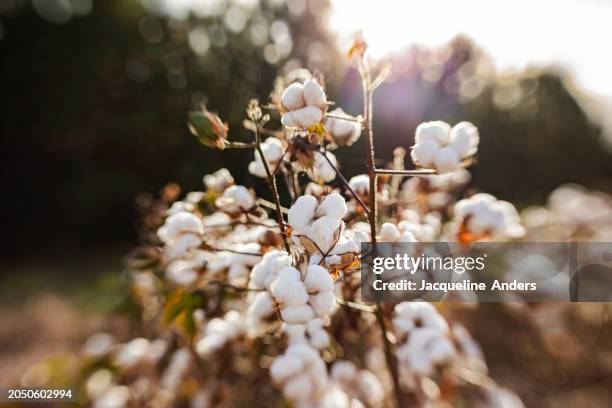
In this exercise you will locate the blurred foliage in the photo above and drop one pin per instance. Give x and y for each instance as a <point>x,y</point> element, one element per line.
<point>95,112</point>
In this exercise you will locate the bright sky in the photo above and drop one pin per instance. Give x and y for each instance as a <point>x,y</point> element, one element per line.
<point>576,34</point>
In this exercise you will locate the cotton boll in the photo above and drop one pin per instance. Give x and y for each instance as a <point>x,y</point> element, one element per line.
<point>424,152</point>
<point>299,388</point>
<point>360,184</point>
<point>262,305</point>
<point>297,315</point>
<point>434,130</point>
<point>322,170</point>
<point>389,232</point>
<point>219,180</point>
<point>343,371</point>
<point>322,303</point>
<point>307,116</point>
<point>288,290</point>
<point>293,96</point>
<point>117,396</point>
<point>266,271</point>
<point>344,132</point>
<point>183,244</point>
<point>464,139</point>
<point>412,315</point>
<point>447,160</point>
<point>178,224</point>
<point>288,119</point>
<point>322,232</point>
<point>333,205</point>
<point>313,93</point>
<point>238,273</point>
<point>318,279</point>
<point>132,353</point>
<point>238,196</point>
<point>286,366</point>
<point>302,211</point>
<point>181,273</point>
<point>425,349</point>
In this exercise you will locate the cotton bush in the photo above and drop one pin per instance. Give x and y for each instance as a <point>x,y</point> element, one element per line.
<point>245,288</point>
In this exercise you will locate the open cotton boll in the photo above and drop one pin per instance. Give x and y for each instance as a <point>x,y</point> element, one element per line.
<point>288,119</point>
<point>323,231</point>
<point>267,270</point>
<point>425,350</point>
<point>343,371</point>
<point>464,139</point>
<point>302,211</point>
<point>447,160</point>
<point>181,273</point>
<point>313,93</point>
<point>178,224</point>
<point>183,244</point>
<point>286,366</point>
<point>219,180</point>
<point>236,198</point>
<point>272,150</point>
<point>299,388</point>
<point>116,396</point>
<point>389,232</point>
<point>322,170</point>
<point>132,353</point>
<point>307,116</point>
<point>318,279</point>
<point>298,314</point>
<point>334,205</point>
<point>424,152</point>
<point>435,130</point>
<point>293,97</point>
<point>360,184</point>
<point>344,132</point>
<point>317,336</point>
<point>288,291</point>
<point>412,315</point>
<point>322,303</point>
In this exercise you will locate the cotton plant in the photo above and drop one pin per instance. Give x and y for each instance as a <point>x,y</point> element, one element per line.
<point>243,281</point>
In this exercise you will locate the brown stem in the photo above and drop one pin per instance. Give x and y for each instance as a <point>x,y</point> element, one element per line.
<point>417,172</point>
<point>273,189</point>
<point>372,215</point>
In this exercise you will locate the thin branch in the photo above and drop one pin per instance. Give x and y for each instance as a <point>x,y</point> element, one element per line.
<point>239,145</point>
<point>226,285</point>
<point>366,83</point>
<point>347,118</point>
<point>355,305</point>
<point>416,172</point>
<point>268,204</point>
<point>273,189</point>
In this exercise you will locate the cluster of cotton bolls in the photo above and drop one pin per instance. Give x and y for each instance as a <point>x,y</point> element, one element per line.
<point>360,384</point>
<point>302,374</point>
<point>484,216</point>
<point>312,332</point>
<point>218,332</point>
<point>181,232</point>
<point>304,104</point>
<point>273,151</point>
<point>302,298</point>
<point>440,147</point>
<point>317,226</point>
<point>423,338</point>
<point>138,351</point>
